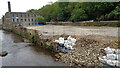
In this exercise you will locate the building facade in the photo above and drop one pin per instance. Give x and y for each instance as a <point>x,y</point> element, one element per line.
<point>14,19</point>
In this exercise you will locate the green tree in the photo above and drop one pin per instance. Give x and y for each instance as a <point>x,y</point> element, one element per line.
<point>78,11</point>
<point>115,14</point>
<point>78,15</point>
<point>33,11</point>
<point>40,19</point>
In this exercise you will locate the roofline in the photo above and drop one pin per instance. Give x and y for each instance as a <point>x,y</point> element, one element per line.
<point>22,13</point>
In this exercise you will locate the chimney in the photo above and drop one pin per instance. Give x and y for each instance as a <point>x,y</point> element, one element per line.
<point>9,6</point>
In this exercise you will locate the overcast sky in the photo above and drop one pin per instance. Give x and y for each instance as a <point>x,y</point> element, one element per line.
<point>22,5</point>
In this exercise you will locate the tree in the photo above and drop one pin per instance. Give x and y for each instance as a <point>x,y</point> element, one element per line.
<point>78,15</point>
<point>40,19</point>
<point>33,11</point>
<point>78,11</point>
<point>115,14</point>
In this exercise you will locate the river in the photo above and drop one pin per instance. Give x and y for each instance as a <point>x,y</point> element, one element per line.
<point>21,54</point>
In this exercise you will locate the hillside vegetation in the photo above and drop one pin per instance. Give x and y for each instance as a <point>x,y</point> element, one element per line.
<point>79,11</point>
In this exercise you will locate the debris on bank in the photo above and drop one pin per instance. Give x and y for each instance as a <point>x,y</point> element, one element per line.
<point>112,57</point>
<point>65,46</point>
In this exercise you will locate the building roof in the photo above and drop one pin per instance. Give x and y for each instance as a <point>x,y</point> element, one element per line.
<point>21,13</point>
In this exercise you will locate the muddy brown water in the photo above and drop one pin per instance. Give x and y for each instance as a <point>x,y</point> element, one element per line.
<point>21,54</point>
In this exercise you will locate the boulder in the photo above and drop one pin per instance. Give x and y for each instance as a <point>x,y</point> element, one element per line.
<point>3,53</point>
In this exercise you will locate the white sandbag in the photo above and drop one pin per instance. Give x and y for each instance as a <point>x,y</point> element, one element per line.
<point>73,44</point>
<point>109,50</point>
<point>113,62</point>
<point>103,59</point>
<point>110,62</point>
<point>118,57</point>
<point>70,39</point>
<point>68,46</point>
<point>61,40</point>
<point>69,43</point>
<point>117,51</point>
<point>118,63</point>
<point>112,56</point>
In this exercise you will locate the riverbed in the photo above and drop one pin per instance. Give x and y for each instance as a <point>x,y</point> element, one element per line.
<point>24,54</point>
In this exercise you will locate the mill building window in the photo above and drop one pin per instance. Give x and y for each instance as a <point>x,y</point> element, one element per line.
<point>25,19</point>
<point>25,15</point>
<point>21,19</point>
<point>28,15</point>
<point>13,15</point>
<point>32,20</point>
<point>28,19</point>
<point>21,15</point>
<point>16,15</point>
<point>35,20</point>
<point>13,20</point>
<point>17,20</point>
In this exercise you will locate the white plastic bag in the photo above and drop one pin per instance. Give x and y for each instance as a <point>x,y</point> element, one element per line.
<point>109,50</point>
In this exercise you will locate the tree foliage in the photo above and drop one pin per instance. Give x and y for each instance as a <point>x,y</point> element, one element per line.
<point>79,11</point>
<point>78,15</point>
<point>40,19</point>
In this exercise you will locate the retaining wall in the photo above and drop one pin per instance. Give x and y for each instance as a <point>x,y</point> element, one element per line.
<point>33,37</point>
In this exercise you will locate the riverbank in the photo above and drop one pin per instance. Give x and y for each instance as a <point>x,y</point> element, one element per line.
<point>86,51</point>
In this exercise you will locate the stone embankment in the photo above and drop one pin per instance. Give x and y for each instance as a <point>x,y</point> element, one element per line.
<point>86,51</point>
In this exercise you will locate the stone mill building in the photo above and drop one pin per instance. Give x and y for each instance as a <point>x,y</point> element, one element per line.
<point>14,19</point>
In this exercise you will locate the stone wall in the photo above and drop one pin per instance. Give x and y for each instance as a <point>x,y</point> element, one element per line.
<point>33,37</point>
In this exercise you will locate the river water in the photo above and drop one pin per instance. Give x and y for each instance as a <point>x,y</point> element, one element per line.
<point>21,54</point>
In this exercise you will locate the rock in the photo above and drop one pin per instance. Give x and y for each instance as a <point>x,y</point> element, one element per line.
<point>83,64</point>
<point>3,53</point>
<point>57,56</point>
<point>60,54</point>
<point>75,61</point>
<point>56,59</point>
<point>26,40</point>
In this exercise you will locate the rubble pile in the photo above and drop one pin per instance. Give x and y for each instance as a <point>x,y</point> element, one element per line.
<point>85,53</point>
